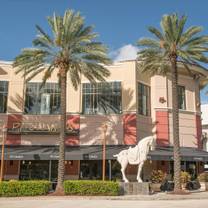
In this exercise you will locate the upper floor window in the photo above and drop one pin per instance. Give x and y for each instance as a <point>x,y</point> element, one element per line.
<point>45,100</point>
<point>181,97</point>
<point>3,96</point>
<point>103,98</point>
<point>143,99</point>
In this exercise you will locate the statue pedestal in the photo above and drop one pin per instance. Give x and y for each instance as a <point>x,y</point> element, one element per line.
<point>135,188</point>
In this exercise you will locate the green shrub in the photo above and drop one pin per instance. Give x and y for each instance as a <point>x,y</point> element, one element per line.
<point>157,176</point>
<point>85,187</point>
<point>203,177</point>
<point>24,188</point>
<point>185,177</point>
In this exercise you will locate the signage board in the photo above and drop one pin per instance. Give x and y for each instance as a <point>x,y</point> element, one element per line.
<point>52,128</point>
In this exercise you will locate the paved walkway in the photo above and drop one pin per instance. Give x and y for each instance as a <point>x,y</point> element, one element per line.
<point>161,200</point>
<point>92,203</point>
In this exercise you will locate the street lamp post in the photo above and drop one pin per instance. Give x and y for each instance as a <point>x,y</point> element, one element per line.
<point>2,154</point>
<point>104,149</point>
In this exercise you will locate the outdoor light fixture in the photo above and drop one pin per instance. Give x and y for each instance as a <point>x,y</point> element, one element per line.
<point>162,100</point>
<point>70,162</point>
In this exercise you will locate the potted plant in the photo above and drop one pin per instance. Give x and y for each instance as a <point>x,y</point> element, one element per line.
<point>203,179</point>
<point>156,178</point>
<point>185,177</point>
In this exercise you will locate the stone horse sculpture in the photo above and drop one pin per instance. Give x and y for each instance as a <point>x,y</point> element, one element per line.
<point>136,156</point>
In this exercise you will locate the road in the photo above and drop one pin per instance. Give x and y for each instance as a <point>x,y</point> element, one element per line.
<point>96,203</point>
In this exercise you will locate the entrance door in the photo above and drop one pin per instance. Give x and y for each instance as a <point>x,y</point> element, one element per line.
<point>90,169</point>
<point>188,166</point>
<point>191,169</point>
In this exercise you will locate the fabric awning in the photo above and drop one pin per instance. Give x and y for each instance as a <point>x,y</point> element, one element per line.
<point>186,153</point>
<point>30,152</point>
<point>84,152</point>
<point>94,152</point>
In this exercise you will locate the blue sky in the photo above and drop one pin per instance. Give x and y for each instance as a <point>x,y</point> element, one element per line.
<point>120,23</point>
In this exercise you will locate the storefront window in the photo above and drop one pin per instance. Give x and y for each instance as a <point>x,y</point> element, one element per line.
<point>92,169</point>
<point>143,99</point>
<point>38,170</point>
<point>101,98</point>
<point>188,166</point>
<point>3,96</point>
<point>181,98</point>
<point>45,100</point>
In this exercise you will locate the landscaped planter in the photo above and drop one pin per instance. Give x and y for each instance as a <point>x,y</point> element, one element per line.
<point>91,188</point>
<point>183,186</point>
<point>204,186</point>
<point>24,188</point>
<point>155,187</point>
<point>156,178</point>
<point>203,178</point>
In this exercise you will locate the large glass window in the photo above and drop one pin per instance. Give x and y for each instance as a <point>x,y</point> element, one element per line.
<point>39,170</point>
<point>45,100</point>
<point>143,99</point>
<point>3,96</point>
<point>181,98</point>
<point>103,98</point>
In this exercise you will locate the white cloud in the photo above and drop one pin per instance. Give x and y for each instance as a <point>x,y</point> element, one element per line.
<point>126,52</point>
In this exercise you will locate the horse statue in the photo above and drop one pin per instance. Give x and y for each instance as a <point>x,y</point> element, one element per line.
<point>136,156</point>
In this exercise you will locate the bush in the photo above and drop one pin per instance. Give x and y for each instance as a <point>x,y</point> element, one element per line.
<point>185,177</point>
<point>203,177</point>
<point>79,187</point>
<point>157,176</point>
<point>24,188</point>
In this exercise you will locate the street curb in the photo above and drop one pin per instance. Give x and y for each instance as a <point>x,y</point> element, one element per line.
<point>154,197</point>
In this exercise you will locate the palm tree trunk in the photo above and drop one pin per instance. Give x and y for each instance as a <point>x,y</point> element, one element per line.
<point>61,162</point>
<point>175,114</point>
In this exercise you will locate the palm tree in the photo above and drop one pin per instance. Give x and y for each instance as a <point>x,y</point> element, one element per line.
<point>72,49</point>
<point>172,44</point>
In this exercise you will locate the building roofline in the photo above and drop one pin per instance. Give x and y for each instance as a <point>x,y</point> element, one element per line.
<point>193,65</point>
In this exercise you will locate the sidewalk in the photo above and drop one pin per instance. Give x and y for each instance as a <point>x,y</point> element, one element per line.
<point>157,196</point>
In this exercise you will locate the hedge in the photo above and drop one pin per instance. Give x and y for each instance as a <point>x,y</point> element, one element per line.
<point>86,187</point>
<point>24,188</point>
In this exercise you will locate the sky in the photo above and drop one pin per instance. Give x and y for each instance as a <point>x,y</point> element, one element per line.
<point>119,23</point>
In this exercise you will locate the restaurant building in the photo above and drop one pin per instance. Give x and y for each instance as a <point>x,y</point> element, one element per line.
<point>132,104</point>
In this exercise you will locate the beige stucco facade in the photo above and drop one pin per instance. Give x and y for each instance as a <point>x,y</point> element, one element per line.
<point>127,127</point>
<point>129,76</point>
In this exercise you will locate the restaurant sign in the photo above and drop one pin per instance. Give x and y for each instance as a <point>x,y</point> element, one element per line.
<point>40,128</point>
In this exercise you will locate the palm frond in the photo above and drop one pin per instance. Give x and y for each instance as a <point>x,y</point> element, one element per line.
<point>156,32</point>
<point>188,45</point>
<point>72,44</point>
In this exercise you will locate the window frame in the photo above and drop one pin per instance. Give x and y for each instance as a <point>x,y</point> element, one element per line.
<point>184,88</point>
<point>41,92</point>
<point>7,96</point>
<point>148,101</point>
<point>95,91</point>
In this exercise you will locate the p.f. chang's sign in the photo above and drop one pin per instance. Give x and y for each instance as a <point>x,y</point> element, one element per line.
<point>40,128</point>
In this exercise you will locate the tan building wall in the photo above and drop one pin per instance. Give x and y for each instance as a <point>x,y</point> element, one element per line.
<point>91,125</point>
<point>91,131</point>
<point>187,129</point>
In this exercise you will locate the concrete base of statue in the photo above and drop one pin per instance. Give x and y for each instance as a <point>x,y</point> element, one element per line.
<point>135,188</point>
